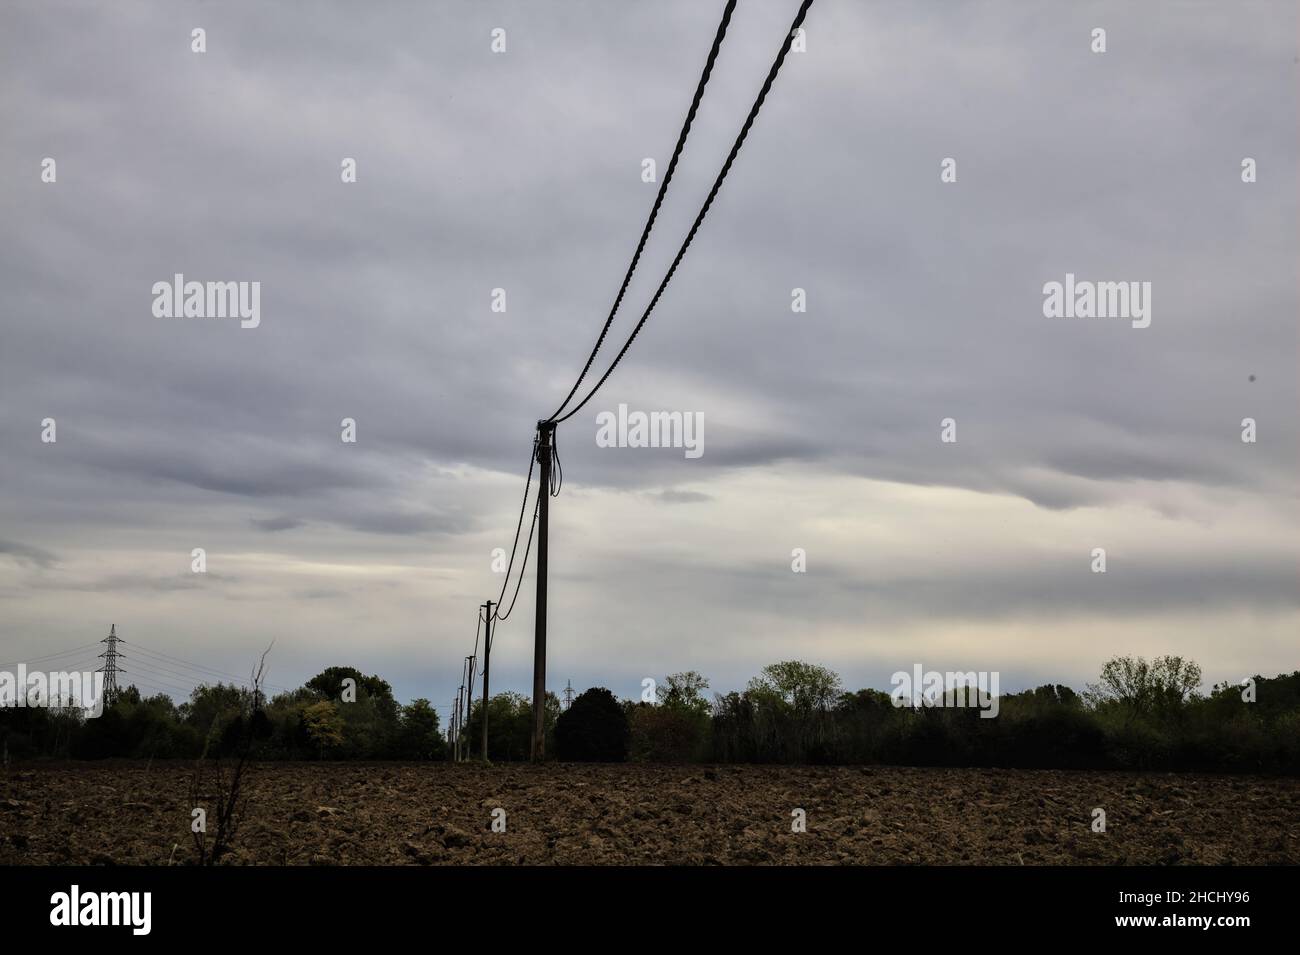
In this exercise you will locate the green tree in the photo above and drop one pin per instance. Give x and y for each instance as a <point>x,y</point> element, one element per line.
<point>324,725</point>
<point>684,691</point>
<point>419,737</point>
<point>1142,688</point>
<point>804,687</point>
<point>371,716</point>
<point>211,706</point>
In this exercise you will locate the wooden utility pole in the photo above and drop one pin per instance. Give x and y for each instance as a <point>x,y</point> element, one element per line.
<point>451,735</point>
<point>472,663</point>
<point>487,669</point>
<point>545,435</point>
<point>460,725</point>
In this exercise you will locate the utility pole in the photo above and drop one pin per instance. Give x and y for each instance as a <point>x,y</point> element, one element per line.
<point>568,695</point>
<point>471,664</point>
<point>460,721</point>
<point>487,669</point>
<point>451,730</point>
<point>110,665</point>
<point>545,435</point>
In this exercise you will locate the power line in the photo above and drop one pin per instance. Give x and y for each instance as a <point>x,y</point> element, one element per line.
<point>532,459</point>
<point>548,480</point>
<point>199,667</point>
<point>659,198</point>
<point>52,656</point>
<point>558,479</point>
<point>545,450</point>
<point>557,469</point>
<point>159,688</point>
<point>157,682</point>
<point>713,192</point>
<point>524,565</point>
<point>82,665</point>
<point>141,663</point>
<point>148,666</point>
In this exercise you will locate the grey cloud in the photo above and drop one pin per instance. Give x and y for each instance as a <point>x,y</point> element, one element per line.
<point>138,583</point>
<point>27,554</point>
<point>405,521</point>
<point>272,524</point>
<point>676,496</point>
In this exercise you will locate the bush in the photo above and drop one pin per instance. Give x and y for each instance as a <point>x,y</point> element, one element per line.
<point>1137,744</point>
<point>667,734</point>
<point>593,729</point>
<point>1053,737</point>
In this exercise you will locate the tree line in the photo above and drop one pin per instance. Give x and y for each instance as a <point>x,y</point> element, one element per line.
<point>1139,715</point>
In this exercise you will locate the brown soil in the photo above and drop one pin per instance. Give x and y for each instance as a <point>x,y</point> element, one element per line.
<point>430,814</point>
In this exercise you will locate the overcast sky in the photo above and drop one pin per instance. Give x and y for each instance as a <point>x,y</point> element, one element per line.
<point>522,170</point>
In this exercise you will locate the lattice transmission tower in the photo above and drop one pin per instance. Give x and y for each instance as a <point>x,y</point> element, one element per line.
<point>110,669</point>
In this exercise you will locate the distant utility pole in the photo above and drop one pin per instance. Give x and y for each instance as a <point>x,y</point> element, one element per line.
<point>109,668</point>
<point>460,717</point>
<point>451,729</point>
<point>487,669</point>
<point>471,665</point>
<point>568,695</point>
<point>545,442</point>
